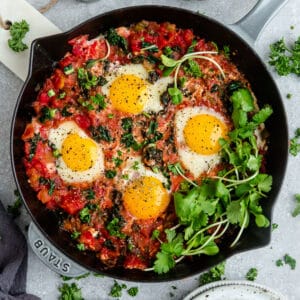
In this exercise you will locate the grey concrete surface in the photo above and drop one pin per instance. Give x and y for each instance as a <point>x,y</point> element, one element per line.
<point>286,239</point>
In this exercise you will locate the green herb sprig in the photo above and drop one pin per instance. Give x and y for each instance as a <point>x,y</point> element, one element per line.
<point>285,59</point>
<point>17,32</point>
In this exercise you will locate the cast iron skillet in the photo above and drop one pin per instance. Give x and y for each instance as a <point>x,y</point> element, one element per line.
<point>45,52</point>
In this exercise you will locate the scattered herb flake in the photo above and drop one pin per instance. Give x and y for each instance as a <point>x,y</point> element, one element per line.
<point>116,290</point>
<point>251,274</point>
<point>295,143</point>
<point>133,291</point>
<point>296,211</point>
<point>274,226</point>
<point>214,274</point>
<point>288,260</point>
<point>14,209</point>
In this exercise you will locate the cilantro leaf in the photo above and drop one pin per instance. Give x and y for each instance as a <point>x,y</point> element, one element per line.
<point>163,263</point>
<point>176,95</point>
<point>234,212</point>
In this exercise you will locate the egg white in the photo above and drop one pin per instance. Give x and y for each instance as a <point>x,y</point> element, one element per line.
<point>135,169</point>
<point>57,137</point>
<point>194,162</point>
<point>153,91</point>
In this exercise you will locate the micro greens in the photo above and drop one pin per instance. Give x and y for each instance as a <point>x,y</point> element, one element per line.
<point>192,68</point>
<point>206,211</point>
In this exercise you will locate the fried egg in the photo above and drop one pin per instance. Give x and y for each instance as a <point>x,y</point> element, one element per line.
<point>145,195</point>
<point>129,91</point>
<point>81,159</point>
<point>198,130</point>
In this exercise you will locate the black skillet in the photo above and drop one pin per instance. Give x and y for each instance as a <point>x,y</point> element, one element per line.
<point>45,52</point>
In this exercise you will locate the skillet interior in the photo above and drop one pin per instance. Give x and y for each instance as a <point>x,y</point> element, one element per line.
<point>46,51</point>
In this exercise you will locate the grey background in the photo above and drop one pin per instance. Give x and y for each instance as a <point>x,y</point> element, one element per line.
<point>286,239</point>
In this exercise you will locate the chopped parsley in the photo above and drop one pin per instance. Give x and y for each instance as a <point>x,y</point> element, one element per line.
<point>251,274</point>
<point>70,292</point>
<point>47,114</point>
<point>214,274</point>
<point>117,161</point>
<point>84,215</point>
<point>86,80</point>
<point>89,194</point>
<point>114,228</point>
<point>116,290</point>
<point>75,234</point>
<point>133,291</point>
<point>192,68</point>
<point>285,59</point>
<point>295,143</point>
<point>296,211</point>
<point>110,174</point>
<point>279,262</point>
<point>100,133</point>
<point>288,260</point>
<point>17,32</point>
<point>33,144</point>
<point>116,40</point>
<point>80,247</point>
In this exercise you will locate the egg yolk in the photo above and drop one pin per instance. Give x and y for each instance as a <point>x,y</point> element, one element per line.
<point>79,154</point>
<point>146,198</point>
<point>128,93</point>
<point>202,133</point>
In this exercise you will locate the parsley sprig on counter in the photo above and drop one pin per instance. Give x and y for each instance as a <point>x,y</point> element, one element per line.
<point>206,211</point>
<point>285,59</point>
<point>18,31</point>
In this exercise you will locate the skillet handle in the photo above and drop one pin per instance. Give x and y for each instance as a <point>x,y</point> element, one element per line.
<point>50,256</point>
<point>251,25</point>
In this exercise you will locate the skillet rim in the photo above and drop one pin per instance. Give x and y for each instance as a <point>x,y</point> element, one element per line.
<point>66,35</point>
